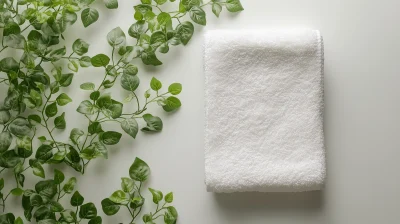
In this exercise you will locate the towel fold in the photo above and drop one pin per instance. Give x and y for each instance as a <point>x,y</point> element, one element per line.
<point>264,111</point>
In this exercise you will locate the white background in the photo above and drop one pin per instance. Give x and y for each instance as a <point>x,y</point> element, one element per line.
<point>361,118</point>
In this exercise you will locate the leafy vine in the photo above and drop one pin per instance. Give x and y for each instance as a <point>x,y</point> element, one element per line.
<point>34,79</point>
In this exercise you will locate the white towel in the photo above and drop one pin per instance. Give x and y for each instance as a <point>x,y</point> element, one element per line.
<point>264,111</point>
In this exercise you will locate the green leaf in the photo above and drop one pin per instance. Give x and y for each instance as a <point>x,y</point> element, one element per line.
<point>44,153</point>
<point>36,97</point>
<point>9,159</point>
<point>51,110</point>
<point>171,104</point>
<point>216,8</point>
<point>157,38</point>
<point>16,41</point>
<point>119,197</point>
<point>58,176</point>
<point>188,4</point>
<point>155,84</point>
<point>109,207</point>
<point>147,94</point>
<point>151,19</point>
<point>80,47</point>
<point>169,198</point>
<point>20,127</point>
<point>69,216</point>
<point>1,184</point>
<point>70,185</point>
<point>18,221</point>
<point>73,156</point>
<point>142,8</point>
<point>66,79</point>
<point>11,28</point>
<point>18,168</point>
<point>113,110</point>
<point>37,168</point>
<point>150,58</point>
<point>137,29</point>
<point>185,31</point>
<point>88,211</point>
<point>96,220</point>
<point>35,200</point>
<point>47,221</point>
<point>147,218</point>
<point>175,88</point>
<point>57,54</point>
<point>5,141</point>
<point>100,60</point>
<point>104,100</point>
<point>87,86</point>
<point>116,37</point>
<point>154,124</point>
<point>77,199</point>
<point>110,137</point>
<point>4,116</point>
<point>91,152</point>
<point>8,218</point>
<point>198,15</point>
<point>63,99</point>
<point>130,70</point>
<point>130,82</point>
<point>95,127</point>
<point>73,65</point>
<point>89,16</point>
<point>164,21</point>
<point>171,215</point>
<point>86,107</point>
<point>139,170</point>
<point>146,2</point>
<point>9,64</point>
<point>157,195</point>
<point>85,61</point>
<point>234,6</point>
<point>130,126</point>
<point>46,188</point>
<point>164,48</point>
<point>58,157</point>
<point>29,102</point>
<point>75,134</point>
<point>111,4</point>
<point>17,191</point>
<point>55,206</point>
<point>160,2</point>
<point>54,87</point>
<point>59,122</point>
<point>127,184</point>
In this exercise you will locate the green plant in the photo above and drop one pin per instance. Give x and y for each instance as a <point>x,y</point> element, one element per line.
<point>43,203</point>
<point>35,80</point>
<point>130,197</point>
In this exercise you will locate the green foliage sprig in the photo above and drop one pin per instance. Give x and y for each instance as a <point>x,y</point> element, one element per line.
<point>130,197</point>
<point>36,77</point>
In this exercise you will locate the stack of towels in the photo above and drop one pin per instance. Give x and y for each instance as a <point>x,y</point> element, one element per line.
<point>264,111</point>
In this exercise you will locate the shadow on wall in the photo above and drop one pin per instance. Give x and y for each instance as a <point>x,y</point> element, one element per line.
<point>256,201</point>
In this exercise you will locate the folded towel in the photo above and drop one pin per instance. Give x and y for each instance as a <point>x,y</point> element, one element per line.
<point>264,111</point>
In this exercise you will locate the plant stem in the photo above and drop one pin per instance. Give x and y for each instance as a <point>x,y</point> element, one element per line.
<point>45,121</point>
<point>3,48</point>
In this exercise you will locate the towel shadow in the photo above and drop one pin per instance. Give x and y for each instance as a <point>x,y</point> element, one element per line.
<point>252,201</point>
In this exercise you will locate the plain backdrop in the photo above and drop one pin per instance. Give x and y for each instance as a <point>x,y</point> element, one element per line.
<point>362,123</point>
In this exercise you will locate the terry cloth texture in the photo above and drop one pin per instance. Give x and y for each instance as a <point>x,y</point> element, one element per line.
<point>264,111</point>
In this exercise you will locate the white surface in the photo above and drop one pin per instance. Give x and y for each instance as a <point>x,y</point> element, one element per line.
<point>361,119</point>
<point>264,111</point>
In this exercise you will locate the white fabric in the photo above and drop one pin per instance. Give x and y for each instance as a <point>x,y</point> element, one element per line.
<point>264,111</point>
